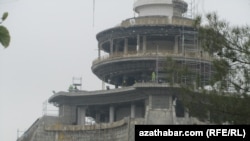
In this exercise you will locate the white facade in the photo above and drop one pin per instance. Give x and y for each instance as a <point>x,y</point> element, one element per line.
<point>168,8</point>
<point>154,7</point>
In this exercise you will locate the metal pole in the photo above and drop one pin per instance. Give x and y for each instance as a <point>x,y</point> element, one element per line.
<point>157,64</point>
<point>17,133</point>
<point>93,13</point>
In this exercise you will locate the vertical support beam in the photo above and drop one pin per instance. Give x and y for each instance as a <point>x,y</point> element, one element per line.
<point>144,40</point>
<point>111,114</point>
<point>111,47</point>
<point>98,117</point>
<point>103,85</point>
<point>81,112</point>
<point>150,102</point>
<point>99,51</point>
<point>138,44</point>
<point>125,46</point>
<point>186,113</point>
<point>173,103</point>
<point>157,64</point>
<point>133,107</point>
<point>176,45</point>
<point>183,44</point>
<point>116,48</point>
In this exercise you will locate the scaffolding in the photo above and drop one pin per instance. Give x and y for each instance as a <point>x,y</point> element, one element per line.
<point>192,9</point>
<point>20,133</point>
<point>49,109</point>
<point>198,71</point>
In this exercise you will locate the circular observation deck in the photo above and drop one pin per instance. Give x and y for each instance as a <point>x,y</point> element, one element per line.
<point>133,51</point>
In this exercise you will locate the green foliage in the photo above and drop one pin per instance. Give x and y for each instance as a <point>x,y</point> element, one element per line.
<point>71,88</point>
<point>5,15</point>
<point>229,98</point>
<point>230,46</point>
<point>4,36</point>
<point>4,33</point>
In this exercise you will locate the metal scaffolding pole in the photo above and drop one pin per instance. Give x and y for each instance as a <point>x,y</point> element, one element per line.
<point>157,64</point>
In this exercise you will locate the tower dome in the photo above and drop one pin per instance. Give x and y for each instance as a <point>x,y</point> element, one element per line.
<point>167,8</point>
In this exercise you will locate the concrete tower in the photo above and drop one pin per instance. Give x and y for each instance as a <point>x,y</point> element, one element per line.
<point>139,46</point>
<point>147,58</point>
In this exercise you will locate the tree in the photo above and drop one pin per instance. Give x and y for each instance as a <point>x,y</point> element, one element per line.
<point>4,33</point>
<point>230,45</point>
<point>229,96</point>
<point>175,70</point>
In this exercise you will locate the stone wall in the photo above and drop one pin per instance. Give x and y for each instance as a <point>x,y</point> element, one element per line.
<point>50,130</point>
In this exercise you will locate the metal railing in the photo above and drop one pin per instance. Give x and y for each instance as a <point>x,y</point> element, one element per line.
<point>134,54</point>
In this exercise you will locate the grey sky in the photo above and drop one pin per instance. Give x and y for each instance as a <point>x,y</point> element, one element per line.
<point>54,40</point>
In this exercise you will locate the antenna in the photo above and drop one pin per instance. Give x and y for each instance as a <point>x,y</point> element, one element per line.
<point>77,83</point>
<point>93,13</point>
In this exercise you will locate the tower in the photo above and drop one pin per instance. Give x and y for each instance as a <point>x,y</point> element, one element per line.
<point>140,46</point>
<point>147,58</point>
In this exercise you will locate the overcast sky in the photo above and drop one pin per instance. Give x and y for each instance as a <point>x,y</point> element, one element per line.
<point>53,41</point>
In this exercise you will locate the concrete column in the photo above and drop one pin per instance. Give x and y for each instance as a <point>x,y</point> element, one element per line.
<point>144,40</point>
<point>111,114</point>
<point>116,49</point>
<point>159,108</point>
<point>176,45</point>
<point>186,113</point>
<point>98,117</point>
<point>133,107</point>
<point>67,114</point>
<point>111,47</point>
<point>81,112</point>
<point>150,102</point>
<point>182,45</point>
<point>125,46</point>
<point>138,44</point>
<point>99,51</point>
<point>173,100</point>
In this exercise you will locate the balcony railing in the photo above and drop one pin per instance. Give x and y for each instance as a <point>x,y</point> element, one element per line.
<point>130,55</point>
<point>157,20</point>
